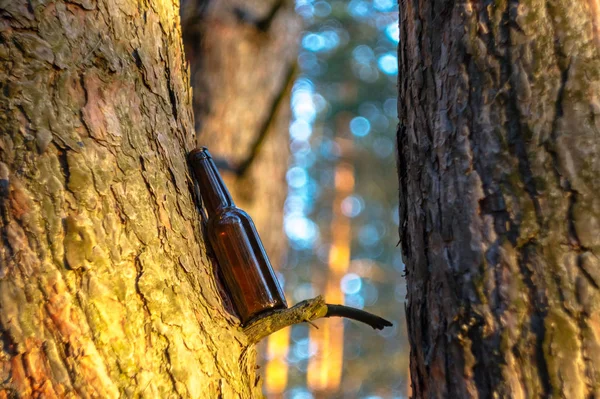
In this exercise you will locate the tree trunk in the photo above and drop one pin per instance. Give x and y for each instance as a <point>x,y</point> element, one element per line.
<point>105,287</point>
<point>499,160</point>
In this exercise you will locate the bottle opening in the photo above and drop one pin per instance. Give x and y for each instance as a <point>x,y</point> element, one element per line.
<point>199,153</point>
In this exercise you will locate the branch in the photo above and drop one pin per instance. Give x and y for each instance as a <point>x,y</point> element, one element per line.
<point>378,323</point>
<point>307,311</point>
<point>241,168</point>
<point>263,24</point>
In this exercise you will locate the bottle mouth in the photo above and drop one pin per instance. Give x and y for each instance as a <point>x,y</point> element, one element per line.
<point>199,153</point>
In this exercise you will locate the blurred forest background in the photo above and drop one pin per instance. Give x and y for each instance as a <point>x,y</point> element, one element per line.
<point>299,101</point>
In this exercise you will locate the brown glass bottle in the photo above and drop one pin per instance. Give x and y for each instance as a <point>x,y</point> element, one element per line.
<point>244,264</point>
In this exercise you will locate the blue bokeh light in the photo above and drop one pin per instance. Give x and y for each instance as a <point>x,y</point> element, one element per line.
<point>352,206</point>
<point>305,349</point>
<point>322,9</point>
<point>300,148</point>
<point>297,204</point>
<point>300,129</point>
<point>359,9</point>
<point>355,300</point>
<point>363,54</point>
<point>384,5</point>
<point>300,393</point>
<point>388,64</point>
<point>297,177</point>
<point>323,41</point>
<point>360,126</point>
<point>351,283</point>
<point>304,8</point>
<point>303,106</point>
<point>301,230</point>
<point>392,32</point>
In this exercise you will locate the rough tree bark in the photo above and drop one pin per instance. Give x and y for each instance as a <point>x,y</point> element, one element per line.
<point>105,288</point>
<point>499,160</point>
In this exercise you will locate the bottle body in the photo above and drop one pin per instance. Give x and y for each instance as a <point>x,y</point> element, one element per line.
<point>244,264</point>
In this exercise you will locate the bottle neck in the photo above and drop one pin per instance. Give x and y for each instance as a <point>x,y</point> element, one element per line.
<point>215,195</point>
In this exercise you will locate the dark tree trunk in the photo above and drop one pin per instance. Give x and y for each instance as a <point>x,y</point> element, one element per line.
<point>499,158</point>
<point>105,288</point>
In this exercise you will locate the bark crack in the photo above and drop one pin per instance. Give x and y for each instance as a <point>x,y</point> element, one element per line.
<point>558,114</point>
<point>8,251</point>
<point>586,273</point>
<point>64,166</point>
<point>172,95</point>
<point>139,272</point>
<point>539,311</point>
<point>168,367</point>
<point>514,125</point>
<point>156,208</point>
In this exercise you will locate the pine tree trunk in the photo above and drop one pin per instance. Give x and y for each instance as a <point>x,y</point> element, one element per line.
<point>499,159</point>
<point>105,287</point>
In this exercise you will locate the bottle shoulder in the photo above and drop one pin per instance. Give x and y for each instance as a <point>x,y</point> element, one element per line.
<point>232,211</point>
<point>230,215</point>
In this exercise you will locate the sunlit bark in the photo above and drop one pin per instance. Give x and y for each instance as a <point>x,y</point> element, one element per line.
<point>499,161</point>
<point>105,288</point>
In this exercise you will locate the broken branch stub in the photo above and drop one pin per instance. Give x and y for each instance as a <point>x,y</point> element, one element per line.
<point>308,311</point>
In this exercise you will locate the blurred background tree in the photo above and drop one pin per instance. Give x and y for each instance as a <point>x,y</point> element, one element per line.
<point>313,83</point>
<point>242,56</point>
